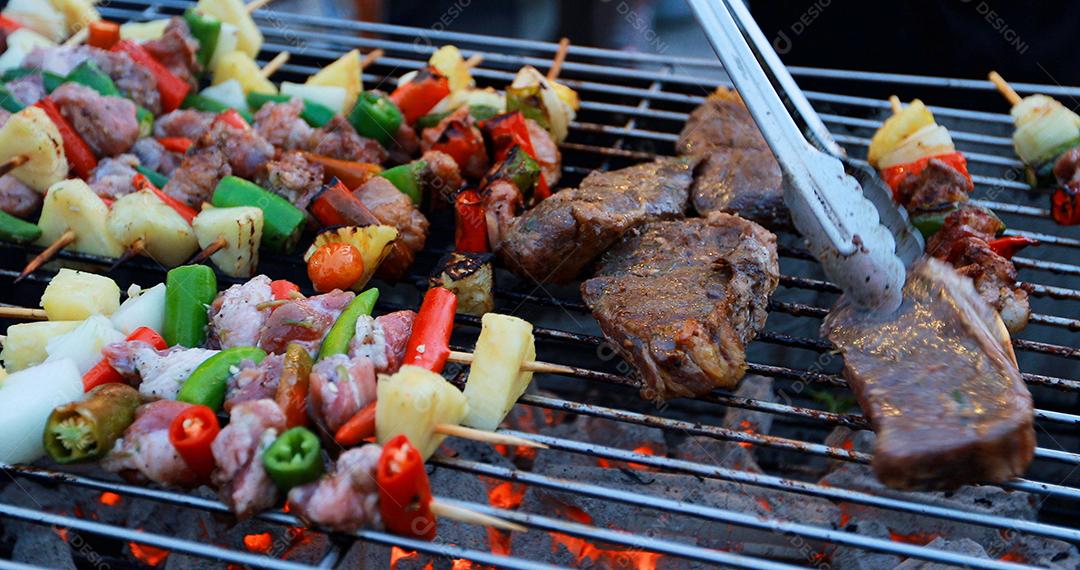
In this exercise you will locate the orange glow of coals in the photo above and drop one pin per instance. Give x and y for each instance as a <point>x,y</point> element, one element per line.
<point>506,495</point>
<point>260,543</point>
<point>61,532</point>
<point>461,564</point>
<point>147,554</point>
<point>584,550</point>
<point>644,449</point>
<point>397,554</point>
<point>110,499</point>
<point>917,538</point>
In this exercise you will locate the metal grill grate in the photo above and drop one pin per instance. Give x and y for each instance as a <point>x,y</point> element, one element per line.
<point>633,107</point>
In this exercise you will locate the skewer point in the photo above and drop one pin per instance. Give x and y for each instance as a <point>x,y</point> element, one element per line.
<point>557,61</point>
<point>461,514</point>
<point>207,251</point>
<point>1004,88</point>
<point>275,64</point>
<point>256,5</point>
<point>42,258</point>
<point>137,247</point>
<point>13,163</point>
<point>490,437</point>
<point>370,57</point>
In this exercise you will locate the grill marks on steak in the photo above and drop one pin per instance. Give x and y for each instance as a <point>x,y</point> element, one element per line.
<point>681,300</point>
<point>938,380</point>
<point>563,234</point>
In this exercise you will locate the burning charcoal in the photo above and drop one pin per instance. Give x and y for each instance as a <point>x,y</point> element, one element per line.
<point>42,546</point>
<point>962,546</point>
<point>850,558</point>
<point>730,454</point>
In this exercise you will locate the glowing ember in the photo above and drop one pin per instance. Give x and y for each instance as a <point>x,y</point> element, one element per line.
<point>261,543</point>
<point>500,541</point>
<point>1014,556</point>
<point>764,504</point>
<point>461,564</point>
<point>397,554</point>
<point>110,499</point>
<point>644,449</point>
<point>506,495</point>
<point>148,554</point>
<point>845,518</point>
<point>61,532</point>
<point>747,427</point>
<point>609,558</point>
<point>917,538</point>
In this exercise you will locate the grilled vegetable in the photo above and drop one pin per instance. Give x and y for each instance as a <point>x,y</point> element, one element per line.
<point>335,266</point>
<point>330,97</point>
<point>351,174</point>
<point>41,17</point>
<point>206,29</point>
<point>30,132</point>
<point>192,433</point>
<point>897,128</point>
<point>143,308</point>
<point>314,113</point>
<point>894,175</point>
<point>470,277</point>
<point>1044,127</point>
<point>373,243</point>
<point>412,402</point>
<point>241,228</point>
<point>171,88</point>
<point>537,98</point>
<point>189,289</point>
<point>295,458</point>
<point>417,97</point>
<point>74,295</point>
<point>345,72</point>
<point>496,379</point>
<point>167,236</point>
<point>71,204</point>
<point>27,398</point>
<point>449,62</point>
<point>429,344</point>
<point>292,390</point>
<point>20,43</point>
<point>24,344</point>
<point>14,230</point>
<point>233,12</point>
<point>80,158</point>
<point>229,93</point>
<point>78,14</point>
<point>143,31</point>
<point>359,427</point>
<point>1065,204</point>
<point>83,345</point>
<point>282,222</point>
<point>206,385</point>
<point>103,373</point>
<point>408,179</point>
<point>470,223</point>
<point>344,328</point>
<point>198,102</point>
<point>103,34</point>
<point>86,430</point>
<point>375,116</point>
<point>240,66</point>
<point>931,140</point>
<point>404,490</point>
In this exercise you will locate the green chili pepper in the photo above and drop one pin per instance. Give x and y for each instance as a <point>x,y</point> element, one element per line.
<point>295,458</point>
<point>528,101</point>
<point>202,103</point>
<point>315,114</point>
<point>189,290</point>
<point>89,74</point>
<point>9,102</point>
<point>156,178</point>
<point>17,73</point>
<point>14,230</point>
<point>146,121</point>
<point>478,112</point>
<point>520,168</point>
<point>375,116</point>
<point>87,429</point>
<point>929,223</point>
<point>206,385</point>
<point>206,29</point>
<point>407,178</point>
<point>282,222</point>
<point>52,80</point>
<point>337,340</point>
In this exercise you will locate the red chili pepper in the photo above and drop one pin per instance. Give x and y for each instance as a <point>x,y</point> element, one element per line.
<point>140,182</point>
<point>103,34</point>
<point>510,129</point>
<point>283,289</point>
<point>176,144</point>
<point>104,373</point>
<point>418,96</point>
<point>459,141</point>
<point>336,206</point>
<point>1008,246</point>
<point>404,490</point>
<point>233,118</point>
<point>8,25</point>
<point>1065,204</point>
<point>894,175</point>
<point>359,427</point>
<point>429,345</point>
<point>191,433</point>
<point>470,225</point>
<point>171,88</point>
<point>79,155</point>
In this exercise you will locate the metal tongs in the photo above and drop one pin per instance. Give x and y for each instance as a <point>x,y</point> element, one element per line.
<point>843,229</point>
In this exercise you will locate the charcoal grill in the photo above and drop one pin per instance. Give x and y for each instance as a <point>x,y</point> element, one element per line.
<point>633,105</point>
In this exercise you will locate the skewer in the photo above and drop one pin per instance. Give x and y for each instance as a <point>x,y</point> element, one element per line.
<point>560,57</point>
<point>1004,88</point>
<point>275,64</point>
<point>24,313</point>
<point>490,437</point>
<point>65,239</point>
<point>897,106</point>
<point>370,57</point>
<point>446,511</point>
<point>138,246</point>
<point>13,163</point>
<point>256,5</point>
<point>214,247</point>
<point>529,366</point>
<point>77,38</point>
<point>474,60</point>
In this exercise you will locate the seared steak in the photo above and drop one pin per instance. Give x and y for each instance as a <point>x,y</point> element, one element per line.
<point>560,236</point>
<point>939,382</point>
<point>681,300</point>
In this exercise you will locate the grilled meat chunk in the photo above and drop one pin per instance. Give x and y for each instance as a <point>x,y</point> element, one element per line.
<point>135,81</point>
<point>441,177</point>
<point>338,139</point>
<point>457,124</point>
<point>254,381</point>
<point>176,49</point>
<point>107,124</point>
<point>547,152</point>
<point>303,321</point>
<point>560,236</point>
<point>340,387</point>
<point>246,150</point>
<point>28,89</point>
<point>160,373</point>
<point>281,124</point>
<point>345,500</point>
<point>721,121</point>
<point>392,207</point>
<point>681,299</point>
<point>383,339</point>
<point>939,382</point>
<point>238,313</point>
<point>935,186</point>
<point>242,480</point>
<point>1067,167</point>
<point>194,180</point>
<point>292,177</point>
<point>145,453</point>
<point>112,177</point>
<point>17,198</point>
<point>186,123</point>
<point>154,156</point>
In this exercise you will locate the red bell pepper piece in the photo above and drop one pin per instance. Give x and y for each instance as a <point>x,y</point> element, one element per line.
<point>894,175</point>
<point>283,289</point>
<point>470,225</point>
<point>191,433</point>
<point>336,206</point>
<point>418,96</point>
<point>104,373</point>
<point>429,345</point>
<point>103,34</point>
<point>404,490</point>
<point>1065,204</point>
<point>79,156</point>
<point>233,118</point>
<point>460,142</point>
<point>510,129</point>
<point>359,427</point>
<point>1008,246</point>
<point>8,25</point>
<point>140,182</point>
<point>176,144</point>
<point>171,88</point>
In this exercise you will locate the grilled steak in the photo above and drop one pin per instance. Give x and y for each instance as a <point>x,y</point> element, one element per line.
<point>738,172</point>
<point>939,382</point>
<point>560,236</point>
<point>681,300</point>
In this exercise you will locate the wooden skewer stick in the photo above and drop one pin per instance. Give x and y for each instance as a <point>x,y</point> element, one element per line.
<point>137,247</point>
<point>256,5</point>
<point>370,57</point>
<point>560,57</point>
<point>474,60</point>
<point>275,64</point>
<point>65,239</point>
<point>1004,88</point>
<point>897,106</point>
<point>77,38</point>
<point>490,437</point>
<point>214,247</point>
<point>13,163</point>
<point>24,313</point>
<point>529,366</point>
<point>446,511</point>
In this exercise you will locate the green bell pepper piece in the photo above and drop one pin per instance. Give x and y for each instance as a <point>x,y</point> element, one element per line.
<point>201,103</point>
<point>9,102</point>
<point>478,112</point>
<point>341,334</point>
<point>206,29</point>
<point>206,385</point>
<point>315,114</point>
<point>375,116</point>
<point>89,74</point>
<point>519,168</point>
<point>295,458</point>
<point>407,178</point>
<point>17,73</point>
<point>156,178</point>
<point>14,230</point>
<point>282,222</point>
<point>87,429</point>
<point>189,290</point>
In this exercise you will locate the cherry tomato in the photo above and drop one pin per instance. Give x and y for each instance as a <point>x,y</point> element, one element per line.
<point>335,266</point>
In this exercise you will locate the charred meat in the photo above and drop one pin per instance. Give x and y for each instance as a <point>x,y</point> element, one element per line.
<point>392,207</point>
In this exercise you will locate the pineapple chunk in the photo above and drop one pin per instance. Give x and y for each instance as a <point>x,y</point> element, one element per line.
<point>25,343</point>
<point>39,16</point>
<point>413,402</point>
<point>930,140</point>
<point>168,237</point>
<point>74,295</point>
<point>242,228</point>
<point>71,204</point>
<point>346,73</point>
<point>373,242</point>
<point>249,38</point>
<point>78,13</point>
<point>470,276</point>
<point>567,95</point>
<point>143,31</point>
<point>897,128</point>
<point>496,380</point>
<point>239,66</point>
<point>449,62</point>
<point>30,132</point>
